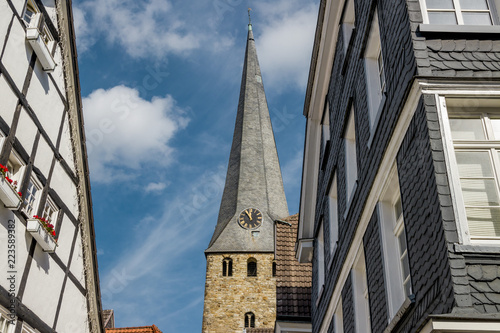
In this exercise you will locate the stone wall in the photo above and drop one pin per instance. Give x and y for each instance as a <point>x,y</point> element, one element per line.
<point>228,298</point>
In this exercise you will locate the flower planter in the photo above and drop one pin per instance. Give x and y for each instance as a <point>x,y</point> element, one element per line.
<point>8,195</point>
<point>46,241</point>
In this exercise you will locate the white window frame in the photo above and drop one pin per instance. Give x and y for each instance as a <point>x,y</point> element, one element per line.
<point>36,202</point>
<point>333,215</point>
<point>5,320</point>
<point>16,168</point>
<point>52,218</point>
<point>320,253</point>
<point>338,318</point>
<point>360,293</point>
<point>451,163</point>
<point>348,23</point>
<point>351,163</point>
<point>391,228</point>
<point>492,4</point>
<point>375,76</point>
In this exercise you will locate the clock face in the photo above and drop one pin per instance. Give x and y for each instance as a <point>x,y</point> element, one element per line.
<point>250,218</point>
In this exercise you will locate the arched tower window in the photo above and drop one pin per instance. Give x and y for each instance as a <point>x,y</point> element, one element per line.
<point>227,267</point>
<point>249,320</point>
<point>274,268</point>
<point>252,267</point>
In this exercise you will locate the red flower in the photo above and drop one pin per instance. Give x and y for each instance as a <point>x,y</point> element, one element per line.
<point>20,194</point>
<point>53,233</point>
<point>9,180</point>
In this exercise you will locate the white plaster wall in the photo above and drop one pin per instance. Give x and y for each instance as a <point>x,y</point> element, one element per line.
<point>77,261</point>
<point>26,131</point>
<point>66,148</point>
<point>65,188</point>
<point>44,156</point>
<point>73,315</point>
<point>5,18</point>
<point>58,73</point>
<point>8,100</point>
<point>50,7</point>
<point>22,243</point>
<point>43,286</point>
<point>19,5</point>
<point>65,239</point>
<point>45,102</point>
<point>17,54</point>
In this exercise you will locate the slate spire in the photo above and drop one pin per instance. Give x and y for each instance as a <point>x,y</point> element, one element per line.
<point>253,177</point>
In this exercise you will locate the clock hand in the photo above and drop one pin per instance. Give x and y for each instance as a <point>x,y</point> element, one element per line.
<point>246,212</point>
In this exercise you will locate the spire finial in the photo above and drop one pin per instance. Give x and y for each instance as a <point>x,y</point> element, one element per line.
<point>249,17</point>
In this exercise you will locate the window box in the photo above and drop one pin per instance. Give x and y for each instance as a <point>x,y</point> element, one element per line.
<point>42,236</point>
<point>9,195</point>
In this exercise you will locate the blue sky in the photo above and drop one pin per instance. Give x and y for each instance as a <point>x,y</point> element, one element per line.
<point>160,82</point>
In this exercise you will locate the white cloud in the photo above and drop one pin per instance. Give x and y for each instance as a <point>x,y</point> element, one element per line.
<point>292,171</point>
<point>124,131</point>
<point>142,28</point>
<point>155,187</point>
<point>84,36</point>
<point>285,44</point>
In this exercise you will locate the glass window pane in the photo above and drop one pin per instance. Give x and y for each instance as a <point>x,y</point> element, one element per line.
<point>467,129</point>
<point>474,164</point>
<point>442,18</point>
<point>406,266</point>
<point>398,209</point>
<point>484,222</point>
<point>479,192</point>
<point>495,123</point>
<point>439,4</point>
<point>474,4</point>
<point>402,243</point>
<point>477,18</point>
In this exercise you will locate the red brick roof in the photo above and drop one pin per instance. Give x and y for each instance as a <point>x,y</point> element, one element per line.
<point>141,329</point>
<point>293,279</point>
<point>260,330</point>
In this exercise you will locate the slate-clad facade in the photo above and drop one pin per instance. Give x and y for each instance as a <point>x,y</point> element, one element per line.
<point>399,216</point>
<point>48,256</point>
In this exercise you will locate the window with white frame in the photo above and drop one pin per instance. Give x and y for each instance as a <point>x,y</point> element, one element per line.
<point>5,326</point>
<point>320,255</point>
<point>475,135</point>
<point>32,17</point>
<point>333,215</point>
<point>325,125</point>
<point>396,264</point>
<point>16,168</point>
<point>361,300</point>
<point>348,23</point>
<point>338,318</point>
<point>374,66</point>
<point>31,197</point>
<point>351,167</point>
<point>50,211</point>
<point>462,12</point>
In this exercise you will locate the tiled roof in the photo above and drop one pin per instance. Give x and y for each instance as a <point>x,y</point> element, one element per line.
<point>141,329</point>
<point>293,279</point>
<point>259,330</point>
<point>108,318</point>
<point>464,57</point>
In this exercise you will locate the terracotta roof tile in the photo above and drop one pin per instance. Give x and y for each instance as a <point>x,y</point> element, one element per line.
<point>259,330</point>
<point>141,329</point>
<point>293,279</point>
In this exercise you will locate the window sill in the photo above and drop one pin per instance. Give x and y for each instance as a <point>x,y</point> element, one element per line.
<point>459,29</point>
<point>476,248</point>
<point>409,301</point>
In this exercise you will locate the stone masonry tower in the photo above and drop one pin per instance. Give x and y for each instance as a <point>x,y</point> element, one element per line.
<point>240,288</point>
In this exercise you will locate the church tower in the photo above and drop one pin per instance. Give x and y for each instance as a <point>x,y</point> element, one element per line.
<point>240,287</point>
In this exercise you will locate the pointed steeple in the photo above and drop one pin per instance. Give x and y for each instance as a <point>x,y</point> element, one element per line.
<point>253,177</point>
